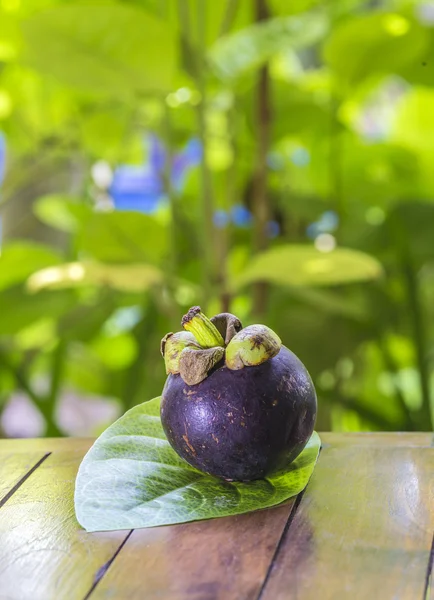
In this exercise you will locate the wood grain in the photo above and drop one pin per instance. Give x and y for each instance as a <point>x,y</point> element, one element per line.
<point>13,467</point>
<point>209,560</point>
<point>429,580</point>
<point>363,528</point>
<point>44,554</point>
<point>43,445</point>
<point>395,439</point>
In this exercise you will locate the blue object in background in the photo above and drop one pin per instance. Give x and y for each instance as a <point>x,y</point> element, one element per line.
<point>327,223</point>
<point>136,188</point>
<point>156,154</point>
<point>141,188</point>
<point>241,216</point>
<point>300,156</point>
<point>273,229</point>
<point>184,161</point>
<point>221,218</point>
<point>275,161</point>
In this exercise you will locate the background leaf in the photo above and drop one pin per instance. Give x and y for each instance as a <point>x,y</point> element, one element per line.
<point>379,42</point>
<point>125,61</point>
<point>322,108</point>
<point>132,478</point>
<point>235,54</point>
<point>19,259</point>
<point>20,309</point>
<point>122,237</point>
<point>304,265</point>
<point>133,278</point>
<point>61,212</point>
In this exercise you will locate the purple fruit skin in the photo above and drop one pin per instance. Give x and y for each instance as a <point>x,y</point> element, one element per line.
<point>242,425</point>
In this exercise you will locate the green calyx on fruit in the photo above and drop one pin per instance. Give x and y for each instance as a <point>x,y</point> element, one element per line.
<point>172,346</point>
<point>204,344</point>
<point>205,332</point>
<point>252,346</point>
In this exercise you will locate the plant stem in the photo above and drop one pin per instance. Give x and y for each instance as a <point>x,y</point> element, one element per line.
<point>224,234</point>
<point>143,333</point>
<point>423,416</point>
<point>390,365</point>
<point>208,238</point>
<point>24,385</point>
<point>196,60</point>
<point>335,160</point>
<point>56,378</point>
<point>170,193</point>
<point>260,197</point>
<point>228,17</point>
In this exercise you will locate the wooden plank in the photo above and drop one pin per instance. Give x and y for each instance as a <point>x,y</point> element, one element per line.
<point>223,559</point>
<point>43,551</point>
<point>363,528</point>
<point>13,467</point>
<point>429,580</point>
<point>43,445</point>
<point>360,439</point>
<point>378,439</point>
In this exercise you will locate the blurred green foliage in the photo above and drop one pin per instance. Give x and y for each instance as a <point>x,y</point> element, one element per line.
<point>314,117</point>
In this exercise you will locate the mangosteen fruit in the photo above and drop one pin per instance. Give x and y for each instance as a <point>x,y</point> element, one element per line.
<point>236,404</point>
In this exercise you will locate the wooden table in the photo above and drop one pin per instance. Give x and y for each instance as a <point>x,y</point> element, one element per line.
<point>363,528</point>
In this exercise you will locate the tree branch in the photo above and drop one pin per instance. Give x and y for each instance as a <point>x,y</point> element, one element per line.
<point>261,211</point>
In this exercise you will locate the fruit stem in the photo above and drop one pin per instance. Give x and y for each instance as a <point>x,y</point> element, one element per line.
<point>205,332</point>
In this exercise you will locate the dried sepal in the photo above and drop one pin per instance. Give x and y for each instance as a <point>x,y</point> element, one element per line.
<point>172,346</point>
<point>227,324</point>
<point>194,365</point>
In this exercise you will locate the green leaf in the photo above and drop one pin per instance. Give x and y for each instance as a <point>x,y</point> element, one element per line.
<point>414,121</point>
<point>20,310</point>
<point>61,212</point>
<point>132,478</point>
<point>110,48</point>
<point>408,230</point>
<point>374,43</point>
<point>235,54</point>
<point>123,236</point>
<point>292,117</point>
<point>105,133</point>
<point>421,72</point>
<point>283,7</point>
<point>9,37</point>
<point>304,265</point>
<point>115,352</point>
<point>130,278</point>
<point>20,259</point>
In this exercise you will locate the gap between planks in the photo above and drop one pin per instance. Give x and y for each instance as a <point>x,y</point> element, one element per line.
<point>429,573</point>
<point>23,479</point>
<point>285,532</point>
<point>106,566</point>
<point>430,566</point>
<point>280,542</point>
